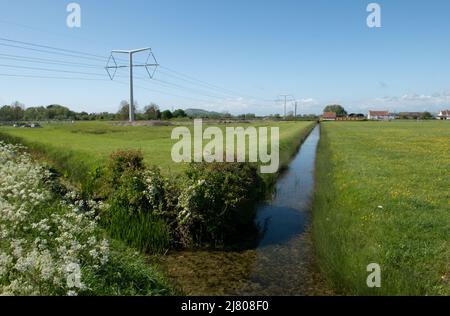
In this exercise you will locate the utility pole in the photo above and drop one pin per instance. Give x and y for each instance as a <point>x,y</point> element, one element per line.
<point>295,110</point>
<point>130,54</point>
<point>285,96</point>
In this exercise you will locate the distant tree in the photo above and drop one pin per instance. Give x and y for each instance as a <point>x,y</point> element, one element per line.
<point>166,115</point>
<point>36,114</point>
<point>13,112</point>
<point>59,112</point>
<point>6,113</point>
<point>224,114</point>
<point>179,113</point>
<point>426,116</point>
<point>290,115</point>
<point>18,110</point>
<point>404,116</point>
<point>152,112</point>
<point>335,108</point>
<point>124,110</point>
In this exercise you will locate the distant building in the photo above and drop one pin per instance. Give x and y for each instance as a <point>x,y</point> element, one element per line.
<point>380,116</point>
<point>444,115</point>
<point>329,116</point>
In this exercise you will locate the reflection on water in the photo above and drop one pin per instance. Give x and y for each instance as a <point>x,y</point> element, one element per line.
<point>281,264</point>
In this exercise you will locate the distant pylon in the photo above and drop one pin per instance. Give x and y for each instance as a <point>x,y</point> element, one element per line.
<point>286,96</point>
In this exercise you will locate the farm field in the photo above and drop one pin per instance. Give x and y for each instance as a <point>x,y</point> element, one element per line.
<point>78,148</point>
<point>126,226</point>
<point>382,196</point>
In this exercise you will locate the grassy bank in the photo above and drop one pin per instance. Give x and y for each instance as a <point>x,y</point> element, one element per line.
<point>149,208</point>
<point>382,196</point>
<point>290,141</point>
<point>77,149</point>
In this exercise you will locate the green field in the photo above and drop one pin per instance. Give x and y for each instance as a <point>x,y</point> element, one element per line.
<point>78,148</point>
<point>383,196</point>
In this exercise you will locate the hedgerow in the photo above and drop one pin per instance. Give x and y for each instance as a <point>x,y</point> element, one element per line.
<point>208,206</point>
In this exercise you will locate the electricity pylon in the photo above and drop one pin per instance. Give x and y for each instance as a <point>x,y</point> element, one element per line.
<point>130,65</point>
<point>285,96</point>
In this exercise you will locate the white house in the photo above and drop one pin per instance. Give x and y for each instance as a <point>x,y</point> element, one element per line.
<point>380,116</point>
<point>444,115</point>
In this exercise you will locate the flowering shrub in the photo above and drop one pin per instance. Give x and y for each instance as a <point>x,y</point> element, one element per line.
<point>208,206</point>
<point>137,203</point>
<point>46,246</point>
<point>216,201</point>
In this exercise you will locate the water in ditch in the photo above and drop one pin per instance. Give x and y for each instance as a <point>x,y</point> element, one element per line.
<point>283,261</point>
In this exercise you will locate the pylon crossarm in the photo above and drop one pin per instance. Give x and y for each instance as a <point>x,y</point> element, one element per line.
<point>111,58</point>
<point>152,57</point>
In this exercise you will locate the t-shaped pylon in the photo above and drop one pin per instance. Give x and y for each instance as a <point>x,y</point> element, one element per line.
<point>151,63</point>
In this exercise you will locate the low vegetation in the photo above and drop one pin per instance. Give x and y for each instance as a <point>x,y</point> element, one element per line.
<point>210,205</point>
<point>77,150</point>
<point>53,245</point>
<point>124,198</point>
<point>382,196</point>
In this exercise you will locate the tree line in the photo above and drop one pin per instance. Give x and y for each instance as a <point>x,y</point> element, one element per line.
<point>17,112</point>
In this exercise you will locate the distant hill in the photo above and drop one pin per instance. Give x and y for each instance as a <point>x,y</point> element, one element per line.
<point>203,113</point>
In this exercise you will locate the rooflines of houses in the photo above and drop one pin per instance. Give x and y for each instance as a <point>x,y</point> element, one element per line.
<point>379,113</point>
<point>385,115</point>
<point>330,115</point>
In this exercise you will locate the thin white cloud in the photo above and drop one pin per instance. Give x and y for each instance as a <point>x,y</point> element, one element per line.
<point>409,102</point>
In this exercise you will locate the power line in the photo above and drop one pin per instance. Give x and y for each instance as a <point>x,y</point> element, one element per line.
<point>168,93</point>
<point>48,52</point>
<point>179,75</point>
<point>196,91</point>
<point>47,61</point>
<point>52,48</point>
<point>93,57</point>
<point>211,85</point>
<point>50,77</point>
<point>52,70</point>
<point>193,82</point>
<point>64,52</point>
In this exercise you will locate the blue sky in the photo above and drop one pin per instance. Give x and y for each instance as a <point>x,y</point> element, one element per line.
<point>320,51</point>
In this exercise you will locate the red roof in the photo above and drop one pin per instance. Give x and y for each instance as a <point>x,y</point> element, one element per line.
<point>329,115</point>
<point>379,113</point>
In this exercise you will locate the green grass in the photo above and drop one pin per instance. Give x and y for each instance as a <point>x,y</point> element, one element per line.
<point>403,167</point>
<point>129,273</point>
<point>77,149</point>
